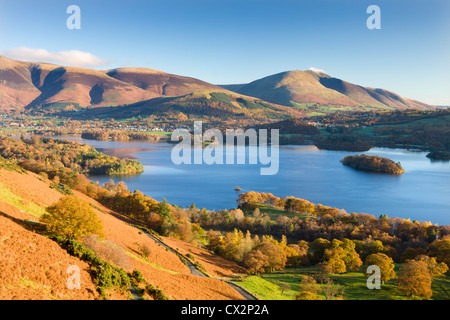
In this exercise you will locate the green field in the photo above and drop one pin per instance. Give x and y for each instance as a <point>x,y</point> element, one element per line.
<point>274,212</point>
<point>160,133</point>
<point>267,287</point>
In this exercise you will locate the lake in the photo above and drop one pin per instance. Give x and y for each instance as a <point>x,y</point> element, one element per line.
<point>421,193</point>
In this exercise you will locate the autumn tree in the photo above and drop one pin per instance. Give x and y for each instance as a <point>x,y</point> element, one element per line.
<point>216,242</point>
<point>414,279</point>
<point>265,257</point>
<point>351,258</point>
<point>276,256</point>
<point>297,205</point>
<point>72,218</point>
<point>382,261</point>
<point>368,247</point>
<point>234,248</point>
<point>255,261</point>
<point>341,256</point>
<point>298,253</point>
<point>335,259</point>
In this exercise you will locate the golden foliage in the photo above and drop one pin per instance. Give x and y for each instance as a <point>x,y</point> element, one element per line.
<point>72,218</point>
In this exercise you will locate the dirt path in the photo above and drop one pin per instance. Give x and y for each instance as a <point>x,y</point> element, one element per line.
<point>193,268</point>
<point>195,271</point>
<point>134,293</point>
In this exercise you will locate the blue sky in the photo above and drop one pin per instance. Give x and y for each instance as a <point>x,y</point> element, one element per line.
<point>237,41</point>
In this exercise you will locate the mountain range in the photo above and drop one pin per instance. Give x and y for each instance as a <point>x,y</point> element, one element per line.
<point>28,86</point>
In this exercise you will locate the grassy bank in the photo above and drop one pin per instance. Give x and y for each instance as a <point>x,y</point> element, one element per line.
<point>270,286</point>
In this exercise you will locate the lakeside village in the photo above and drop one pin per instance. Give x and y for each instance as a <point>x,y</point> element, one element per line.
<point>10,122</point>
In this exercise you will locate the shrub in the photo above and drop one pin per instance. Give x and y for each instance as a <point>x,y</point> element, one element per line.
<point>156,293</point>
<point>146,250</point>
<point>137,276</point>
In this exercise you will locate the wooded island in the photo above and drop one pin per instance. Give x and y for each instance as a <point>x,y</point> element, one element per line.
<point>373,163</point>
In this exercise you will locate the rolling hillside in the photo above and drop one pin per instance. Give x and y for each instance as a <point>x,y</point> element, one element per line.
<point>309,90</point>
<point>212,104</point>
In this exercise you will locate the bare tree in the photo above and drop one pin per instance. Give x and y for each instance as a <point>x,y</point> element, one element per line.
<point>331,290</point>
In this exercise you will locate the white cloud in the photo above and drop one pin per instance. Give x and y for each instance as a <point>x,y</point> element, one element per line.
<point>316,70</point>
<point>71,57</point>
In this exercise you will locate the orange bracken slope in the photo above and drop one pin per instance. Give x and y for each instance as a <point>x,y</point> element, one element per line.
<point>34,267</point>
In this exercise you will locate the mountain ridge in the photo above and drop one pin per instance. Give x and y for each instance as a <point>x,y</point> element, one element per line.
<point>27,85</point>
<point>297,87</point>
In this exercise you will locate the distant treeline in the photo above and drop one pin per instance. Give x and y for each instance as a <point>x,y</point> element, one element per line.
<point>119,135</point>
<point>342,143</point>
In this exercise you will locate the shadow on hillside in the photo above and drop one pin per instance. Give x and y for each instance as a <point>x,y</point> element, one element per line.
<point>27,224</point>
<point>116,215</point>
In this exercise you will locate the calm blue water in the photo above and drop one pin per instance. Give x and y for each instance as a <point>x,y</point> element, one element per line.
<point>421,193</point>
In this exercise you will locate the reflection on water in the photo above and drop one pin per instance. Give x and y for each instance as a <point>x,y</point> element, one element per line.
<point>421,193</point>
